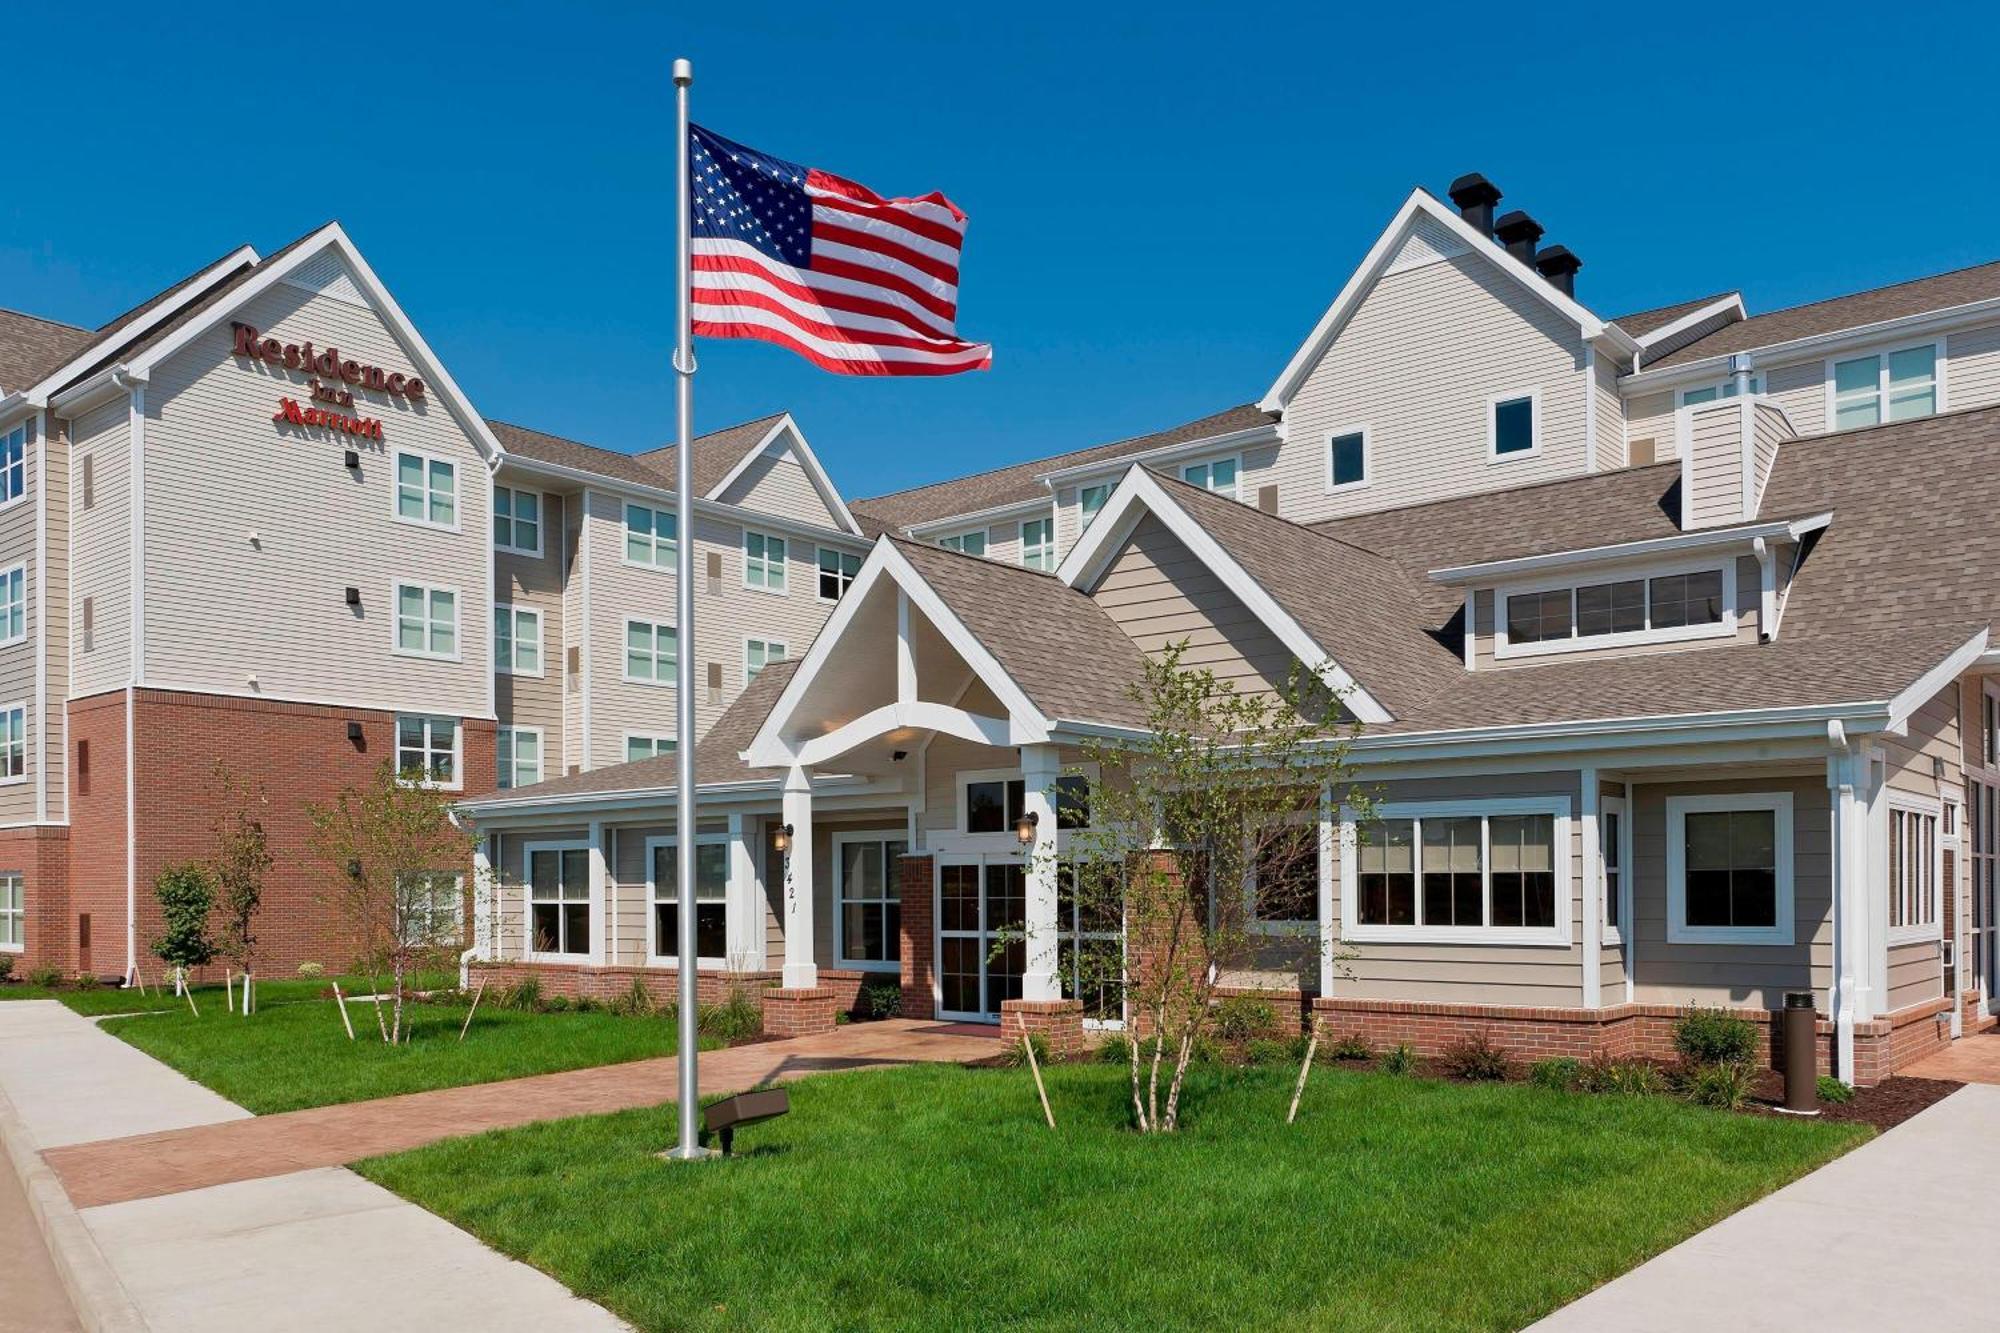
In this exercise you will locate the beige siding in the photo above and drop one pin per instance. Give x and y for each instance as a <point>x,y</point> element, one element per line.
<point>536,583</point>
<point>1610,414</point>
<point>51,612</point>
<point>1933,738</point>
<point>1770,428</point>
<point>18,524</point>
<point>1715,476</point>
<point>1160,593</point>
<point>1972,370</point>
<point>777,483</point>
<point>1749,624</point>
<point>102,549</point>
<point>223,606</point>
<point>1416,364</point>
<point>1800,389</point>
<point>1916,974</point>
<point>1650,416</point>
<point>575,659</point>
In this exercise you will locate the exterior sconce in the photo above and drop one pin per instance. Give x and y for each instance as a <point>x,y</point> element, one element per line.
<point>354,732</point>
<point>781,841</point>
<point>1024,828</point>
<point>352,459</point>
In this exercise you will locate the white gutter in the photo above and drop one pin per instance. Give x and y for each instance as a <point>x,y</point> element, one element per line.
<point>1270,432</point>
<point>1743,535</point>
<point>639,797</point>
<point>735,513</point>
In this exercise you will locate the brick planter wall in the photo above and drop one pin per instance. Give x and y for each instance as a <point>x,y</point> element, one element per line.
<point>800,1013</point>
<point>1059,1021</point>
<point>914,882</point>
<point>577,981</point>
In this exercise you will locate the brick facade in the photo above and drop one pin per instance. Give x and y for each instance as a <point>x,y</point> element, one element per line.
<point>40,855</point>
<point>1059,1021</point>
<point>919,975</point>
<point>800,1013</point>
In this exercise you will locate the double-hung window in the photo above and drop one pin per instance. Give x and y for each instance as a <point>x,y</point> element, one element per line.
<point>638,746</point>
<point>760,653</point>
<point>1283,873</point>
<point>1897,386</point>
<point>14,743</point>
<point>1091,499</point>
<point>836,573</point>
<point>1038,543</point>
<point>427,750</point>
<point>426,490</point>
<point>517,640</point>
<point>971,543</point>
<point>652,652</point>
<point>517,520</point>
<point>1472,872</point>
<point>1513,426</point>
<point>1913,869</point>
<point>764,562</point>
<point>426,621</point>
<point>13,604</point>
<point>868,898</point>
<point>1611,830</point>
<point>430,907</point>
<point>650,536</point>
<point>13,913</point>
<point>1217,475</point>
<point>14,464</point>
<point>558,898</point>
<point>711,896</point>
<point>1686,604</point>
<point>1729,868</point>
<point>520,756</point>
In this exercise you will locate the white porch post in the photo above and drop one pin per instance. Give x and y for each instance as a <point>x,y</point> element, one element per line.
<point>1846,772</point>
<point>801,972</point>
<point>600,876</point>
<point>746,934</point>
<point>1593,892</point>
<point>1041,765</point>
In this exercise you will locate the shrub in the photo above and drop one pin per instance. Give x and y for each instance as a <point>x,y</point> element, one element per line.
<point>1267,1051</point>
<point>1560,1074</point>
<point>87,981</point>
<point>882,999</point>
<point>311,970</point>
<point>1714,1037</point>
<point>1115,1049</point>
<point>841,1018</point>
<point>48,978</point>
<point>636,1002</point>
<point>1296,1046</point>
<point>1399,1060</point>
<point>186,895</point>
<point>1016,1057</point>
<point>1726,1086</point>
<point>525,994</point>
<point>556,1004</point>
<point>1353,1046</point>
<point>1475,1059</point>
<point>6,966</point>
<point>1833,1090</point>
<point>586,1005</point>
<point>1629,1078</point>
<point>1241,1017</point>
<point>735,1019</point>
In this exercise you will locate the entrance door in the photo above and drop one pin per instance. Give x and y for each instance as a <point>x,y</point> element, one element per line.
<point>979,898</point>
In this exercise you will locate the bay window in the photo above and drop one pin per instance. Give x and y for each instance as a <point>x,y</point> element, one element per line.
<point>1458,872</point>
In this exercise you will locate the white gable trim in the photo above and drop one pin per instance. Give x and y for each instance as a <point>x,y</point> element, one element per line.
<point>1027,723</point>
<point>1379,257</point>
<point>273,272</point>
<point>1925,687</point>
<point>808,460</point>
<point>1139,494</point>
<point>1722,305</point>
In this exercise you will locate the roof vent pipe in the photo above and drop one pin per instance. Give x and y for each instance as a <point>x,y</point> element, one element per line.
<point>1559,266</point>
<point>1519,233</point>
<point>1475,197</point>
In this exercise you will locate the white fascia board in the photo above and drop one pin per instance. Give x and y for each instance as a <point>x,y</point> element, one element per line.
<point>829,494</point>
<point>976,518</point>
<point>1720,306</point>
<point>1420,201</point>
<point>270,274</point>
<point>503,811</point>
<point>755,518</point>
<point>1744,535</point>
<point>1248,438</point>
<point>138,328</point>
<point>1900,329</point>
<point>1140,493</point>
<point>1925,687</point>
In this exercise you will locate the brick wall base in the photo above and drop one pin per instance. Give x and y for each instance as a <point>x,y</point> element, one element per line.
<point>40,856</point>
<point>800,1013</point>
<point>1059,1021</point>
<point>914,882</point>
<point>579,981</point>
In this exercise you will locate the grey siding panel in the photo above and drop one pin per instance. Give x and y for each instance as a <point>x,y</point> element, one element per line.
<point>536,583</point>
<point>102,549</point>
<point>576,638</point>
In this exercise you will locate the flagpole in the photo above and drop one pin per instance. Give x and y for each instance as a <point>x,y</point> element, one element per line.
<point>689,1147</point>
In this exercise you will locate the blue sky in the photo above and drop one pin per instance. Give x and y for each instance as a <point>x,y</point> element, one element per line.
<point>1162,201</point>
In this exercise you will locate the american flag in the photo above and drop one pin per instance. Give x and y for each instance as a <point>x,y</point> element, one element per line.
<point>855,283</point>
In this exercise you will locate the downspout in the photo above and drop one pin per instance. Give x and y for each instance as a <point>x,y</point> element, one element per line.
<point>135,385</point>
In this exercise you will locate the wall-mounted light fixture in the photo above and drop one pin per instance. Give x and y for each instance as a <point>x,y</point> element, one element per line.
<point>354,732</point>
<point>1024,828</point>
<point>781,841</point>
<point>353,595</point>
<point>353,459</point>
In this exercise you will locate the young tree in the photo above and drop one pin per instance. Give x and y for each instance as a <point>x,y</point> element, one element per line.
<point>396,855</point>
<point>1194,837</point>
<point>186,894</point>
<point>242,859</point>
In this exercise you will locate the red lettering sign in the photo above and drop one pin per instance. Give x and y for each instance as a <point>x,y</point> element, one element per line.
<point>326,361</point>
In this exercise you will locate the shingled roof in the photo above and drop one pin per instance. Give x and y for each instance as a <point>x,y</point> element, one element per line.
<point>28,343</point>
<point>715,454</point>
<point>1642,322</point>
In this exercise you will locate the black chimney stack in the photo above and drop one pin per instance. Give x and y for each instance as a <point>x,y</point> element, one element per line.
<point>1518,232</point>
<point>1559,266</point>
<point>1475,197</point>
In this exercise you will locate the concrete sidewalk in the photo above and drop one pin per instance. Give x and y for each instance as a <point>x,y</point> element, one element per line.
<point>1876,1240</point>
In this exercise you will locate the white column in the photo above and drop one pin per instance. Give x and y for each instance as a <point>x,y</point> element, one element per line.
<point>483,894</point>
<point>1628,907</point>
<point>801,972</point>
<point>746,923</point>
<point>1844,770</point>
<point>1593,894</point>
<point>600,877</point>
<point>1040,767</point>
<point>1332,844</point>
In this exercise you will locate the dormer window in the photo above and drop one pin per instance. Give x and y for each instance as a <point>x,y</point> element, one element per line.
<point>1905,380</point>
<point>1709,393</point>
<point>1217,475</point>
<point>1665,607</point>
<point>971,543</point>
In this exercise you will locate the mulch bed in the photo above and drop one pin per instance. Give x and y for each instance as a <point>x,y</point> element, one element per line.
<point>1886,1105</point>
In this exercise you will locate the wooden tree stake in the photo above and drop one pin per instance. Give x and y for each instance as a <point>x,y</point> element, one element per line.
<point>340,1001</point>
<point>1312,1046</point>
<point>481,990</point>
<point>229,989</point>
<point>188,991</point>
<point>1028,1042</point>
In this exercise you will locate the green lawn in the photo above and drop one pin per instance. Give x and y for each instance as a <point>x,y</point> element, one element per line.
<point>100,1000</point>
<point>287,1056</point>
<point>933,1197</point>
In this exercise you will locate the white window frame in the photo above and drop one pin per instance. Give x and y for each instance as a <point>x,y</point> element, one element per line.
<point>784,655</point>
<point>1534,449</point>
<point>1779,803</point>
<point>14,469</point>
<point>457,653</point>
<point>841,840</point>
<point>661,745</point>
<point>845,579</point>
<point>1910,803</point>
<point>457,782</point>
<point>1726,628</point>
<point>17,883</point>
<point>653,954</point>
<point>1235,491</point>
<point>1619,806</point>
<point>784,582</point>
<point>1295,926</point>
<point>396,490</point>
<point>510,614</point>
<point>962,839</point>
<point>513,526</point>
<point>1882,355</point>
<point>1367,458</point>
<point>558,846</point>
<point>1560,934</point>
<point>665,550</point>
<point>433,938</point>
<point>7,577</point>
<point>985,536</point>
<point>510,737</point>
<point>1725,389</point>
<point>1084,512</point>
<point>1044,550</point>
<point>625,653</point>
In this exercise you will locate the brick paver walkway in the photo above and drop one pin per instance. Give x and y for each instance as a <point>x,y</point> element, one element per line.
<point>146,1165</point>
<point>1974,1059</point>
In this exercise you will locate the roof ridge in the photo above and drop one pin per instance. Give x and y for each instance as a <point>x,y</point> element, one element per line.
<point>1870,291</point>
<point>710,434</point>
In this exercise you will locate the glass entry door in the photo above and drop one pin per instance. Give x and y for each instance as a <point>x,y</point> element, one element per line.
<point>979,898</point>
